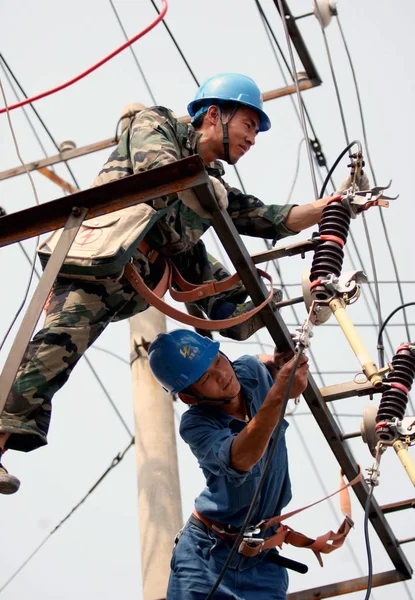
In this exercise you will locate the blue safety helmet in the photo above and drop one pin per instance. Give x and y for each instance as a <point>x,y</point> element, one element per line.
<point>177,359</point>
<point>229,87</point>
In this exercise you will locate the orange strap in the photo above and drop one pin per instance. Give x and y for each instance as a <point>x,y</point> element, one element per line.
<point>154,297</point>
<point>324,544</point>
<point>191,292</point>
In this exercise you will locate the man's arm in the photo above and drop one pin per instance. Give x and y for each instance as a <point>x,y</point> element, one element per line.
<point>270,221</point>
<point>249,445</point>
<point>301,217</point>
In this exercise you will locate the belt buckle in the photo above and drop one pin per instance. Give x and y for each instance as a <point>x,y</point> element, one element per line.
<point>253,542</point>
<point>217,529</point>
<point>251,531</point>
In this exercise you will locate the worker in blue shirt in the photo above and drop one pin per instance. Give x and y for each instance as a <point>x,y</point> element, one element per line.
<point>234,410</point>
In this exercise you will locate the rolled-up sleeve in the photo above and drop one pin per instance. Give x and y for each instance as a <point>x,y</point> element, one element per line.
<point>212,444</point>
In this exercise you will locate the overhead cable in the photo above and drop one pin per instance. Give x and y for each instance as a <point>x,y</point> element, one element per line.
<point>115,462</point>
<point>96,65</point>
<point>32,183</point>
<point>41,121</point>
<point>117,16</point>
<point>363,123</point>
<point>346,136</point>
<point>300,102</point>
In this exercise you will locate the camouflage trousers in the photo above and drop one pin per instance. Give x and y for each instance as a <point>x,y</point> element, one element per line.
<point>77,314</point>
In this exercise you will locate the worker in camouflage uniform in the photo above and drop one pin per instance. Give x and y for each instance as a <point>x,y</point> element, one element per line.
<point>226,116</point>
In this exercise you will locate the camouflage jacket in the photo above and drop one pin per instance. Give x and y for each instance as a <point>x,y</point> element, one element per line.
<point>154,138</point>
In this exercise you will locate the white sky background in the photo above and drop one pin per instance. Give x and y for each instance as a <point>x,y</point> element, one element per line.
<point>96,553</point>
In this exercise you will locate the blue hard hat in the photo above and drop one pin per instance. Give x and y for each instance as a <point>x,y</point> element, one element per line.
<point>229,87</point>
<point>177,359</point>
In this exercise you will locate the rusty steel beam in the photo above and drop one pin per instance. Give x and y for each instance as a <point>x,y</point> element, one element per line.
<point>282,251</point>
<point>396,506</point>
<point>349,389</point>
<point>244,265</point>
<point>171,178</point>
<point>299,43</point>
<point>305,84</point>
<point>347,587</point>
<point>34,310</point>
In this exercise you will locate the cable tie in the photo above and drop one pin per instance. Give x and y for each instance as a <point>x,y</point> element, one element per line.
<point>332,238</point>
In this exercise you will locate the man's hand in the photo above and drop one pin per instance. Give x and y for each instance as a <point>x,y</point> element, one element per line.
<point>220,193</point>
<point>274,362</point>
<point>362,182</point>
<point>279,389</point>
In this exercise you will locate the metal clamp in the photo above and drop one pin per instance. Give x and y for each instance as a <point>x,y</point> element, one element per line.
<point>358,201</point>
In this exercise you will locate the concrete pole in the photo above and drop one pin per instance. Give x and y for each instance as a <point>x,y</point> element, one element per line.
<point>159,499</point>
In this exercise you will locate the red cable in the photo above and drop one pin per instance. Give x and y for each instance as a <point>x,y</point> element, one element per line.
<point>159,18</point>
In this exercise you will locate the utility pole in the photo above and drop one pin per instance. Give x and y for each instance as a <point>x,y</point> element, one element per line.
<point>160,515</point>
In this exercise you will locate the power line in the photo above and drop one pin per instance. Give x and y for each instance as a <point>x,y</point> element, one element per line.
<point>41,121</point>
<point>117,16</point>
<point>362,119</point>
<point>115,462</point>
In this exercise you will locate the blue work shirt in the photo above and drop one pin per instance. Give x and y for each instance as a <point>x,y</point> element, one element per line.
<point>210,431</point>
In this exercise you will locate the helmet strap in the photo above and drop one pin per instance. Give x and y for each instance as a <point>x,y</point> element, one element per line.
<point>225,133</point>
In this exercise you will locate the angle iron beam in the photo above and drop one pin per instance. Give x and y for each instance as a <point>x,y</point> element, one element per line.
<point>305,84</point>
<point>349,389</point>
<point>134,189</point>
<point>347,587</point>
<point>396,506</point>
<point>37,303</point>
<point>244,265</point>
<point>299,43</point>
<point>282,251</point>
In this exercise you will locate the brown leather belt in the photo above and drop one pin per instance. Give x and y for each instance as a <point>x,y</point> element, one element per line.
<point>323,544</point>
<point>271,556</point>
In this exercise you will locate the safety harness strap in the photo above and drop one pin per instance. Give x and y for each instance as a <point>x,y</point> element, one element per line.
<point>154,297</point>
<point>324,544</point>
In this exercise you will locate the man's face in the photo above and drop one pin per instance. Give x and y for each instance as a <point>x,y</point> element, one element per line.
<point>243,128</point>
<point>219,381</point>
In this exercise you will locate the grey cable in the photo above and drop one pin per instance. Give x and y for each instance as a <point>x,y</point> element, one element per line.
<point>363,123</point>
<point>116,460</point>
<point>117,16</point>
<point>40,119</point>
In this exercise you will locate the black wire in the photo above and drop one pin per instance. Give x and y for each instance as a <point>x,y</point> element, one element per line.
<point>262,479</point>
<point>269,31</point>
<point>133,53</point>
<point>25,295</point>
<point>367,543</point>
<point>116,460</point>
<point>380,345</point>
<point>177,45</point>
<point>333,75</point>
<point>16,95</point>
<point>39,117</point>
<point>334,166</point>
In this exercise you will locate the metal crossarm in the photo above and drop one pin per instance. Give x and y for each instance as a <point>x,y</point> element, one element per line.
<point>169,179</point>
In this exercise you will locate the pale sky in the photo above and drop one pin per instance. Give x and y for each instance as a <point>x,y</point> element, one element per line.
<point>96,553</point>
